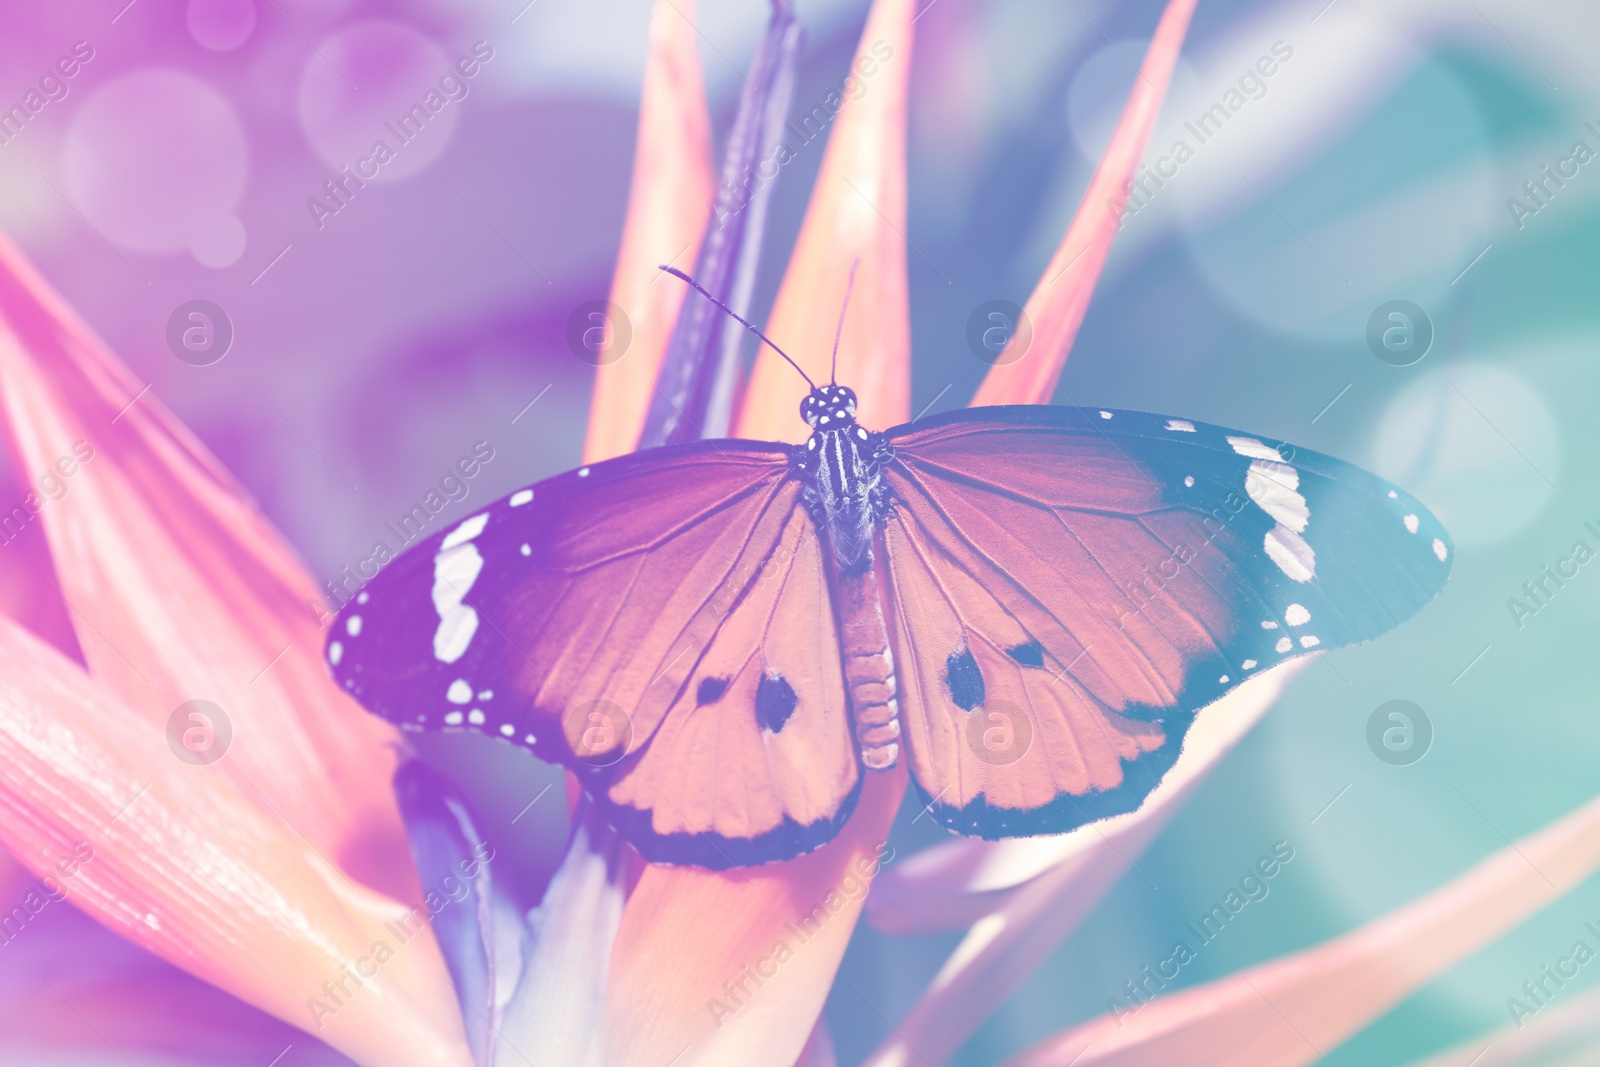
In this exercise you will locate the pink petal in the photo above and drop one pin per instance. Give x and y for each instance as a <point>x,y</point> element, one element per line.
<point>1022,914</point>
<point>178,860</point>
<point>857,210</point>
<point>1295,1009</point>
<point>74,989</point>
<point>1062,295</point>
<point>179,589</point>
<point>667,211</point>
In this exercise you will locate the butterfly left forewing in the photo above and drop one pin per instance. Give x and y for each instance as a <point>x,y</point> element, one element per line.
<point>1148,564</point>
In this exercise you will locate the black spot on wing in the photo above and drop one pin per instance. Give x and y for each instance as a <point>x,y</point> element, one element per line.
<point>775,701</point>
<point>1029,655</point>
<point>964,679</point>
<point>710,691</point>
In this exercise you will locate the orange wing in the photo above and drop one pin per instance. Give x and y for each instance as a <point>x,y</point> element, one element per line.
<point>659,623</point>
<point>755,758</point>
<point>1070,586</point>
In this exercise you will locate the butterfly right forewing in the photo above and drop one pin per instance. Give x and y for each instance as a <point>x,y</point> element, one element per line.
<point>1099,576</point>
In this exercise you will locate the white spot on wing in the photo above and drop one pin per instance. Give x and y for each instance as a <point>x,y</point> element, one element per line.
<point>1181,425</point>
<point>335,653</point>
<point>1275,487</point>
<point>1393,495</point>
<point>1291,553</point>
<point>1284,644</point>
<point>352,625</point>
<point>1223,680</point>
<point>1439,550</point>
<point>1269,625</point>
<point>1310,641</point>
<point>1296,615</point>
<point>527,551</point>
<point>1411,523</point>
<point>1248,664</point>
<point>465,532</point>
<point>459,692</point>
<point>1249,446</point>
<point>583,472</point>
<point>1105,414</point>
<point>362,598</point>
<point>452,718</point>
<point>506,729</point>
<point>475,717</point>
<point>520,498</point>
<point>1188,480</point>
<point>454,571</point>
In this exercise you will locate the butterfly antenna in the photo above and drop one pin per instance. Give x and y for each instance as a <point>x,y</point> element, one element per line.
<point>833,373</point>
<point>676,273</point>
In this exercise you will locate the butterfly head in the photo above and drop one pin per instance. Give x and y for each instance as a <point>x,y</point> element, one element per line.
<point>829,407</point>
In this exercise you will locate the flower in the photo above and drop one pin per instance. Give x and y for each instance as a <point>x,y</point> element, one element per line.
<point>272,889</point>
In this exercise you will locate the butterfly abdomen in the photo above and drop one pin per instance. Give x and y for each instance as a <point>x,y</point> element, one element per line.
<point>868,665</point>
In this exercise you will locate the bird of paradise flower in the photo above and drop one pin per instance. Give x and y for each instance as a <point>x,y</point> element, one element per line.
<point>275,873</point>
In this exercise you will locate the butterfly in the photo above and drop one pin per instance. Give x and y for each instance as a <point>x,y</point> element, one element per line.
<point>1024,605</point>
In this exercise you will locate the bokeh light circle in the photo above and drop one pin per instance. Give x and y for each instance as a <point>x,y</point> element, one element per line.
<point>221,25</point>
<point>157,161</point>
<point>1477,444</point>
<point>395,67</point>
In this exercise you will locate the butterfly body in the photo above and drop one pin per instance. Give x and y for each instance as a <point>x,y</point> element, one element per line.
<point>1024,605</point>
<point>842,467</point>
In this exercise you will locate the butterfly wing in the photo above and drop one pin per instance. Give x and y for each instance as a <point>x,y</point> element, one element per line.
<point>1069,586</point>
<point>658,623</point>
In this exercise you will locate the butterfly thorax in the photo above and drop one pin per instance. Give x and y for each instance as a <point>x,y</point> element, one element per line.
<point>843,470</point>
<point>842,465</point>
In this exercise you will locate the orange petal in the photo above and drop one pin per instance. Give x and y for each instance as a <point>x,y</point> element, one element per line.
<point>732,967</point>
<point>1295,1009</point>
<point>857,210</point>
<point>667,211</point>
<point>1062,295</point>
<point>178,860</point>
<point>180,590</point>
<point>714,926</point>
<point>1020,913</point>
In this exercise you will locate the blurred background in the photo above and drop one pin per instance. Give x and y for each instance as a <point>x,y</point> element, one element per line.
<point>1435,152</point>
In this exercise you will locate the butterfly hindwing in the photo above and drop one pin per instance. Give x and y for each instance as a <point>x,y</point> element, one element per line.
<point>1104,574</point>
<point>718,785</point>
<point>583,618</point>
